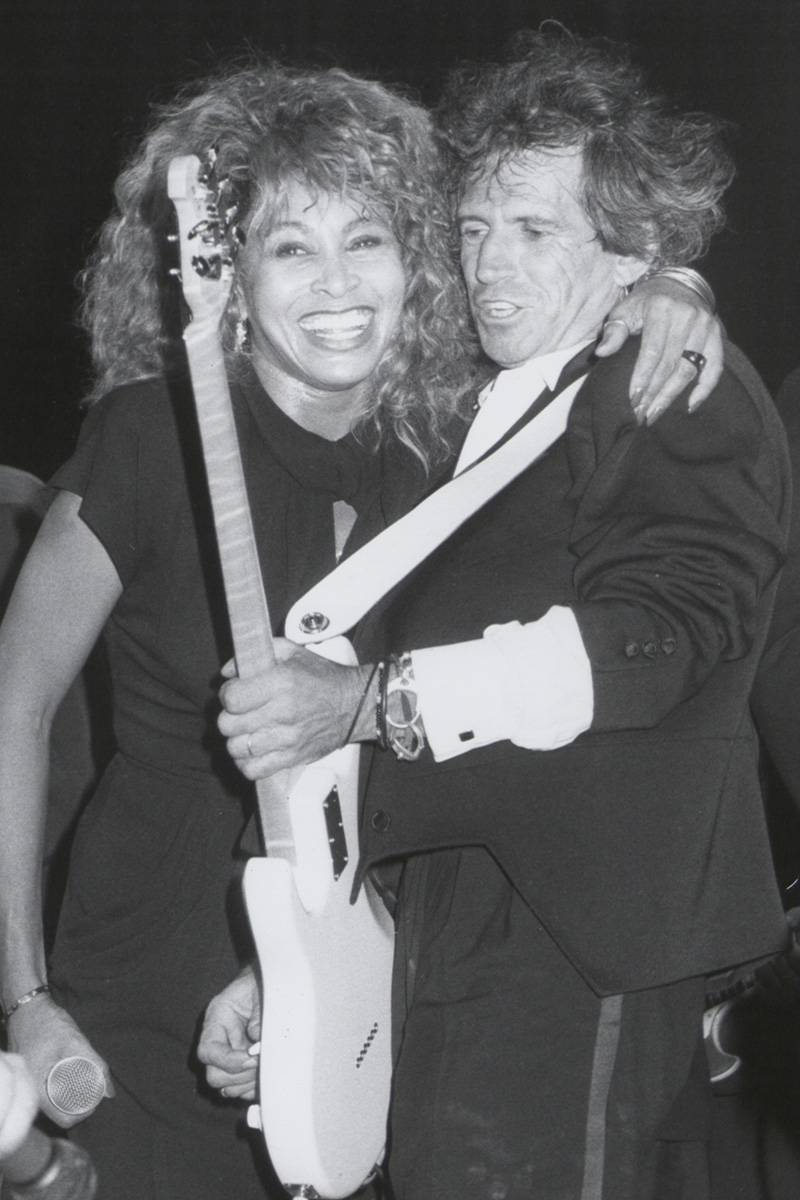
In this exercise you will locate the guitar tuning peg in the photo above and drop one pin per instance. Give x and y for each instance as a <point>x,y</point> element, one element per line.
<point>175,272</point>
<point>172,237</point>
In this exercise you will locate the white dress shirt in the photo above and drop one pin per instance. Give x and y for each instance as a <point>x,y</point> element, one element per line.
<point>528,683</point>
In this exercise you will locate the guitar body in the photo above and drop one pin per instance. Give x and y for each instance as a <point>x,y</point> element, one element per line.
<point>325,1062</point>
<point>326,964</point>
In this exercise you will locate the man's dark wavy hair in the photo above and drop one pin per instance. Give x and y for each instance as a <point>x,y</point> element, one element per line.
<point>653,176</point>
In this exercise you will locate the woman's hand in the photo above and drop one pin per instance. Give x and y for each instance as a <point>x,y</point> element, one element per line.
<point>296,712</point>
<point>671,319</point>
<point>44,1034</point>
<point>231,1028</point>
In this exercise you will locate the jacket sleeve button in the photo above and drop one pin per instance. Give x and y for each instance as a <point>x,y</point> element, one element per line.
<point>669,645</point>
<point>380,820</point>
<point>631,649</point>
<point>649,648</point>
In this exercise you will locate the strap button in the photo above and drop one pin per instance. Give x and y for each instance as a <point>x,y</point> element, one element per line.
<point>314,622</point>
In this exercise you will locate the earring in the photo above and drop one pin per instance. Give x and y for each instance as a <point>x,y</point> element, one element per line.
<point>241,336</point>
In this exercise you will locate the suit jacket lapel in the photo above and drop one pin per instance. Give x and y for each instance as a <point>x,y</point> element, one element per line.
<point>582,362</point>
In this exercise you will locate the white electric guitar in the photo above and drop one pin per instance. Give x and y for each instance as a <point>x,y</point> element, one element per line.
<point>325,1060</point>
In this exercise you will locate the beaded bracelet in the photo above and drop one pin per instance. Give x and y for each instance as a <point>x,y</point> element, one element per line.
<point>41,990</point>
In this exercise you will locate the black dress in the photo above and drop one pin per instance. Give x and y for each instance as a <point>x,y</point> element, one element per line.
<point>151,926</point>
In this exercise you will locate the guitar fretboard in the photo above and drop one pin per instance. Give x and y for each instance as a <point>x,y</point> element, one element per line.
<point>244,591</point>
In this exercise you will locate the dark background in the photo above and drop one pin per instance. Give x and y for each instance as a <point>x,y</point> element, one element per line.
<point>80,75</point>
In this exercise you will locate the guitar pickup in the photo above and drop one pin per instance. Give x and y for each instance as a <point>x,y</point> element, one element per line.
<point>337,841</point>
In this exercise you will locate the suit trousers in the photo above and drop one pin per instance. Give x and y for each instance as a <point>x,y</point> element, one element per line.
<point>514,1080</point>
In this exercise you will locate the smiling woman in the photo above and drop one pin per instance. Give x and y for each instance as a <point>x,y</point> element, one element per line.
<point>299,148</point>
<point>348,350</point>
<point>323,292</point>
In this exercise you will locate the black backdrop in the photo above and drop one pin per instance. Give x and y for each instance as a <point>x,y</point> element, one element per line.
<point>80,75</point>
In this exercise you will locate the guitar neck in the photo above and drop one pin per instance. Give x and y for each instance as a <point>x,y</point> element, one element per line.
<point>244,591</point>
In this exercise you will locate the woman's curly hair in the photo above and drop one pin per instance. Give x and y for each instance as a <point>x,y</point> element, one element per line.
<point>653,176</point>
<point>336,134</point>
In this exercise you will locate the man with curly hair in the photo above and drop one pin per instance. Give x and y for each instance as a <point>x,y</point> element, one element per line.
<point>609,817</point>
<point>574,787</point>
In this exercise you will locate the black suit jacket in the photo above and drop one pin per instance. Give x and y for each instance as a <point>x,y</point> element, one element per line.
<point>642,845</point>
<point>774,699</point>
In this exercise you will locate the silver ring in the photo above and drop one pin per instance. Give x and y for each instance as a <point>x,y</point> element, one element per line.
<point>618,321</point>
<point>697,359</point>
<point>250,744</point>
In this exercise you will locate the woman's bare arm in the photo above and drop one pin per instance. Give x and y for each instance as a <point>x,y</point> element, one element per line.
<point>66,590</point>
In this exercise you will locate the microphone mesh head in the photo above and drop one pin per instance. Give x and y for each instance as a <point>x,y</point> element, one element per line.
<point>75,1085</point>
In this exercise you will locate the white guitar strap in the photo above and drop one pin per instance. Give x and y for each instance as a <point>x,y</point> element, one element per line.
<point>335,604</point>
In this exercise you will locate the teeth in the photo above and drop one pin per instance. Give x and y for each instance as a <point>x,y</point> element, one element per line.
<point>337,324</point>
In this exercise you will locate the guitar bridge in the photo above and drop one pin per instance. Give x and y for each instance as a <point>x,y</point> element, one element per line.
<point>337,842</point>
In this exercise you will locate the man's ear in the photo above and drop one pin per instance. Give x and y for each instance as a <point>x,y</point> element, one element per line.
<point>629,269</point>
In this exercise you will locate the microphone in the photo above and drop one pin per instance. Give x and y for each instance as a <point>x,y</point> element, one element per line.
<point>48,1169</point>
<point>75,1085</point>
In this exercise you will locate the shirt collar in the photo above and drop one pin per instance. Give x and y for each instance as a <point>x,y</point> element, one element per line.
<point>537,373</point>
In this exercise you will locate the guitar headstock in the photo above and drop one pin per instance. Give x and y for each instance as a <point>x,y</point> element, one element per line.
<point>208,235</point>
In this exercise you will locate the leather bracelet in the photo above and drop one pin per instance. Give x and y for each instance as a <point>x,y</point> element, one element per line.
<point>380,707</point>
<point>41,990</point>
<point>690,279</point>
<point>361,702</point>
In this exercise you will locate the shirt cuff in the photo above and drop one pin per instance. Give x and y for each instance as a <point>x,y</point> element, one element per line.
<point>529,684</point>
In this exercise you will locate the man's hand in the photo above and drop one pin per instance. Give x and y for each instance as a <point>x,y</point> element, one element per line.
<point>44,1034</point>
<point>231,1026</point>
<point>18,1103</point>
<point>671,319</point>
<point>296,712</point>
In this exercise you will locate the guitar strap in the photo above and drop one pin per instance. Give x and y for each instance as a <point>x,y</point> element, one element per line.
<point>335,604</point>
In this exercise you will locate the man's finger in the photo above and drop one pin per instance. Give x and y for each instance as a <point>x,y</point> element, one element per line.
<point>219,1079</point>
<point>261,766</point>
<point>220,1053</point>
<point>710,375</point>
<point>239,695</point>
<point>615,334</point>
<point>653,367</point>
<point>676,383</point>
<point>239,1091</point>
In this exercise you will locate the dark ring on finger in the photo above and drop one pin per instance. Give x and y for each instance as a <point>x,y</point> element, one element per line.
<point>697,359</point>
